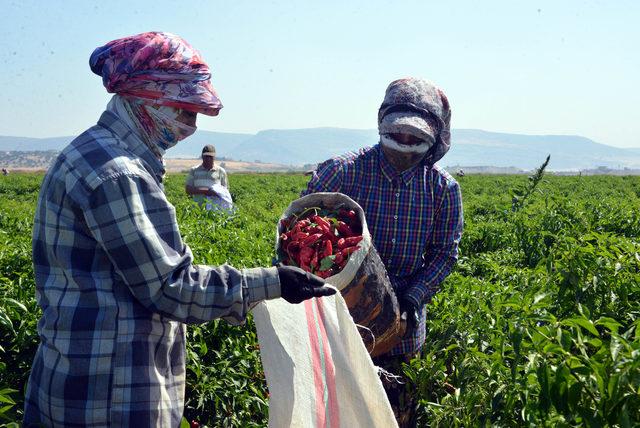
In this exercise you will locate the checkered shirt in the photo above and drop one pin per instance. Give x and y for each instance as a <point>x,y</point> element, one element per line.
<point>414,217</point>
<point>116,284</point>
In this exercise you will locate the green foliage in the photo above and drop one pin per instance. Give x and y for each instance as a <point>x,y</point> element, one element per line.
<point>538,325</point>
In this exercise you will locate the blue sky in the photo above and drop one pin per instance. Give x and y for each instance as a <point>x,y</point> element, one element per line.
<point>535,67</point>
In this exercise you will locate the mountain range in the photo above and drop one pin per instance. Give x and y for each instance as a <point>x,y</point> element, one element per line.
<point>470,147</point>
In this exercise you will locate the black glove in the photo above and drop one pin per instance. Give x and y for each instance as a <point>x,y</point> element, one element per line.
<point>408,314</point>
<point>297,285</point>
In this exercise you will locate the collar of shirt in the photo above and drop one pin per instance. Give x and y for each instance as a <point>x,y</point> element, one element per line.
<point>392,174</point>
<point>202,168</point>
<point>132,142</point>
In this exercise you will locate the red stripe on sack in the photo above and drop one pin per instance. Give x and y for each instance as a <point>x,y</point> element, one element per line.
<point>330,370</point>
<point>316,364</point>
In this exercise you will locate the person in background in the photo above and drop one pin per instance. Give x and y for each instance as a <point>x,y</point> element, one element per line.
<point>207,183</point>
<point>114,279</point>
<point>413,209</point>
<point>203,177</point>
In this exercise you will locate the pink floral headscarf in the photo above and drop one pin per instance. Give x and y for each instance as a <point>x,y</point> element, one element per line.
<point>159,69</point>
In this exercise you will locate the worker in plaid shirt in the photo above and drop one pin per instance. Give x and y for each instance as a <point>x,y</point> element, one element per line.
<point>113,278</point>
<point>413,209</point>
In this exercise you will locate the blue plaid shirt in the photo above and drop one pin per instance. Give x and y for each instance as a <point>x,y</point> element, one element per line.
<point>414,217</point>
<point>116,283</point>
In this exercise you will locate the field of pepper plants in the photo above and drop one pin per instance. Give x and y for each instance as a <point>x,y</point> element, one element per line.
<point>538,325</point>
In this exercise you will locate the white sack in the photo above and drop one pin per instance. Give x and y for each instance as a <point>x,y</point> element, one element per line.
<point>222,200</point>
<point>318,370</point>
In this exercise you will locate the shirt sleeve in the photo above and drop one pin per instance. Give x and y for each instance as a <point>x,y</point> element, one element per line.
<point>135,224</point>
<point>442,252</point>
<point>190,178</point>
<point>326,178</point>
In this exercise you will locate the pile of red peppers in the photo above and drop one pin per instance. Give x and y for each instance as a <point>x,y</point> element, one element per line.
<point>320,241</point>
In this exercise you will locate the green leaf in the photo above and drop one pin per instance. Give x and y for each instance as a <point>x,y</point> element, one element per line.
<point>553,348</point>
<point>615,346</point>
<point>625,420</point>
<point>539,297</point>
<point>582,322</point>
<point>612,387</point>
<point>611,324</point>
<point>564,338</point>
<point>6,399</point>
<point>327,262</point>
<point>575,393</point>
<point>14,302</point>
<point>543,380</point>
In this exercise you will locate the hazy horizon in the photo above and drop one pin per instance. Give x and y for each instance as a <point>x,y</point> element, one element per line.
<point>354,129</point>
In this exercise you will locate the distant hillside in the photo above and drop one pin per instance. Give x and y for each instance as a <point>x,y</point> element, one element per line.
<point>27,144</point>
<point>225,143</point>
<point>568,152</point>
<point>188,148</point>
<point>302,146</point>
<point>470,147</point>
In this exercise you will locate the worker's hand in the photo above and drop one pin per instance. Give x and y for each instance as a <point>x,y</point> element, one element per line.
<point>408,316</point>
<point>297,285</point>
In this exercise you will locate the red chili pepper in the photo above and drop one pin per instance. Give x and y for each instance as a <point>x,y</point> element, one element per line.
<point>348,214</point>
<point>314,260</point>
<point>314,229</point>
<point>311,239</point>
<point>339,258</point>
<point>305,254</point>
<point>331,237</point>
<point>321,222</point>
<point>305,267</point>
<point>344,229</point>
<point>299,236</point>
<point>351,241</point>
<point>349,250</point>
<point>293,250</point>
<point>340,243</point>
<point>328,249</point>
<point>294,245</point>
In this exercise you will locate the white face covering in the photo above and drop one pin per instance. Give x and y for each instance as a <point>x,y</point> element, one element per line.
<point>405,148</point>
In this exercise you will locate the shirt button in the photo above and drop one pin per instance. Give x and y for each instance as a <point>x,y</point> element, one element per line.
<point>395,217</point>
<point>397,195</point>
<point>393,240</point>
